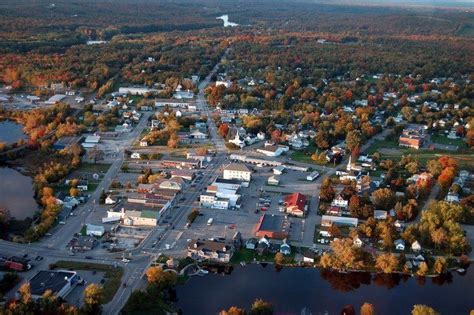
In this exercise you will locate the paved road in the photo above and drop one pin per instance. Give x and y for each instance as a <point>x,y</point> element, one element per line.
<point>155,241</point>
<point>87,211</point>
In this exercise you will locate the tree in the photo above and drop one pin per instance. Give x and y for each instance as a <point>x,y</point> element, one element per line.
<point>160,278</point>
<point>102,197</point>
<point>279,259</point>
<point>440,266</point>
<point>321,139</point>
<point>420,309</point>
<point>233,310</point>
<point>367,309</point>
<point>261,307</point>
<point>326,192</point>
<point>434,167</point>
<point>422,269</point>
<point>446,177</point>
<point>223,130</point>
<point>387,262</point>
<point>73,192</point>
<point>93,295</point>
<point>353,140</point>
<point>326,261</point>
<point>384,198</point>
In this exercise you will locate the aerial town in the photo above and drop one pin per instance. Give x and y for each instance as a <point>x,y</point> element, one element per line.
<point>142,163</point>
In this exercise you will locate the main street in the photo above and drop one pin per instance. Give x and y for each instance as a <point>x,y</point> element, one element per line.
<point>152,245</point>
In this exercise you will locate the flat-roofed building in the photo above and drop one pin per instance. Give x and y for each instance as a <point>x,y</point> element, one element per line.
<point>66,142</point>
<point>273,226</point>
<point>59,282</point>
<point>237,171</point>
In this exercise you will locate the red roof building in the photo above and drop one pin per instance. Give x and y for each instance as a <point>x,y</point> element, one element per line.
<point>296,204</point>
<point>273,226</point>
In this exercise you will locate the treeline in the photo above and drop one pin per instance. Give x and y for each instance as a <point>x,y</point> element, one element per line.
<point>125,59</point>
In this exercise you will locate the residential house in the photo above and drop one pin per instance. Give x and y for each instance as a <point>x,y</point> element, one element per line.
<point>340,202</point>
<point>210,250</point>
<point>452,197</point>
<point>415,246</point>
<point>285,248</point>
<point>380,215</point>
<point>251,243</point>
<point>399,244</point>
<point>309,257</point>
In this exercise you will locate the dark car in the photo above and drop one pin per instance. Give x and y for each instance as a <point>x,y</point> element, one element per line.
<point>88,257</point>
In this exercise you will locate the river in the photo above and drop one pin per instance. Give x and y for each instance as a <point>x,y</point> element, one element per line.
<point>323,292</point>
<point>11,132</point>
<point>17,194</point>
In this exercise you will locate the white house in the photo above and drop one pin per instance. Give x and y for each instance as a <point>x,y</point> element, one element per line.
<point>415,246</point>
<point>285,248</point>
<point>452,197</point>
<point>237,171</point>
<point>399,244</point>
<point>226,83</point>
<point>339,202</point>
<point>357,242</point>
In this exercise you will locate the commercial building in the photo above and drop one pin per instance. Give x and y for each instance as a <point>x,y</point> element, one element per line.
<point>296,204</point>
<point>137,90</point>
<point>55,99</point>
<point>412,137</point>
<point>66,142</point>
<point>59,282</point>
<point>273,226</point>
<point>211,200</point>
<point>237,171</point>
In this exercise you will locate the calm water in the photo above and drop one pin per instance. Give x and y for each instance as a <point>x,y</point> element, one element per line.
<point>293,289</point>
<point>17,194</point>
<point>11,132</point>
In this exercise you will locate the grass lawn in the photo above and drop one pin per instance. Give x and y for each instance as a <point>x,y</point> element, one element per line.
<point>113,275</point>
<point>445,140</point>
<point>464,157</point>
<point>381,144</point>
<point>248,255</point>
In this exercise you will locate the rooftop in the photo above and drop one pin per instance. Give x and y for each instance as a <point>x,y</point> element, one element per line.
<point>273,223</point>
<point>237,167</point>
<point>50,280</point>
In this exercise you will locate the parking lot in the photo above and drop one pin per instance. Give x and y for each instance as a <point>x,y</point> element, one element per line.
<point>76,296</point>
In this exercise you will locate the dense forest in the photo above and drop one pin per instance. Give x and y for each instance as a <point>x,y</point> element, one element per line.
<point>43,42</point>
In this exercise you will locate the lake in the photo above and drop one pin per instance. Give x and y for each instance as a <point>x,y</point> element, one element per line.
<point>17,194</point>
<point>324,292</point>
<point>225,18</point>
<point>11,132</point>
